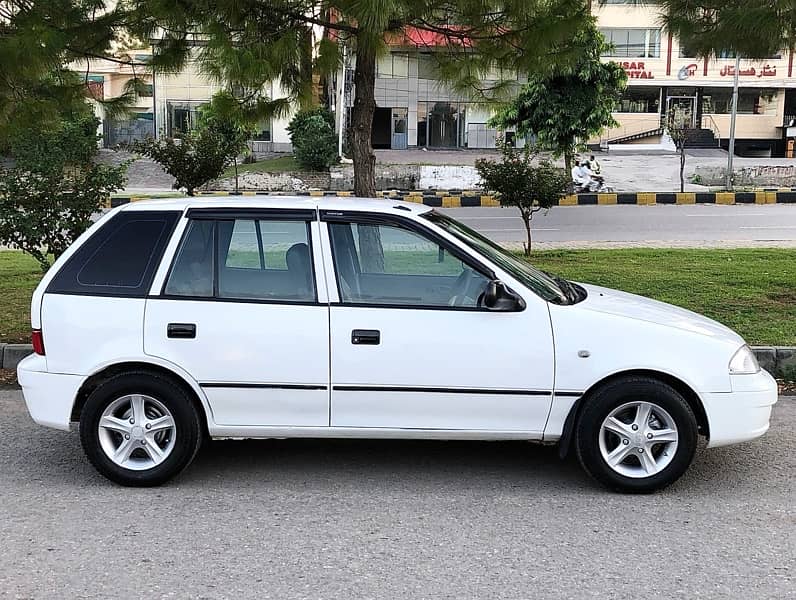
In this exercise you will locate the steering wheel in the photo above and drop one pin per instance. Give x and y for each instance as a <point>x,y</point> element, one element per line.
<point>460,293</point>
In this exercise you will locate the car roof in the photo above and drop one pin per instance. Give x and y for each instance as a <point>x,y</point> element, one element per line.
<point>382,205</point>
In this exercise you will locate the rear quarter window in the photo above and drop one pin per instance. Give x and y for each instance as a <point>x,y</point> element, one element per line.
<point>120,259</point>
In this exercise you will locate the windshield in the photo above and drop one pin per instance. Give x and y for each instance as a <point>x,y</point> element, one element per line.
<point>542,284</point>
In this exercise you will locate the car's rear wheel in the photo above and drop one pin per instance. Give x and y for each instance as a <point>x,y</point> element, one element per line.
<point>139,429</point>
<point>636,434</point>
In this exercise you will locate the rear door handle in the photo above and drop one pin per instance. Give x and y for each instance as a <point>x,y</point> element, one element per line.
<point>370,337</point>
<point>181,330</point>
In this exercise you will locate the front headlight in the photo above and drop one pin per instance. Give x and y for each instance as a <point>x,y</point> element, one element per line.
<point>744,362</point>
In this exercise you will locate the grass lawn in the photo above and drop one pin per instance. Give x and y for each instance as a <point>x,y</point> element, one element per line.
<point>750,290</point>
<point>753,291</point>
<point>19,275</point>
<point>269,165</point>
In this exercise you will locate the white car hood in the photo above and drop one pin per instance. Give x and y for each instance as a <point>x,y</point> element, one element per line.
<point>631,306</point>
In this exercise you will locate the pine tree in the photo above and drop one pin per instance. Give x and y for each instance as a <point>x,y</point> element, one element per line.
<point>38,41</point>
<point>247,43</point>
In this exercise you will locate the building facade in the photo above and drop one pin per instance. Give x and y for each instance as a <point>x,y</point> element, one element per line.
<point>662,75</point>
<point>415,110</point>
<point>178,97</point>
<point>106,79</point>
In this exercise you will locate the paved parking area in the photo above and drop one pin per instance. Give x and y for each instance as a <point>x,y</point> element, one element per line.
<point>334,519</point>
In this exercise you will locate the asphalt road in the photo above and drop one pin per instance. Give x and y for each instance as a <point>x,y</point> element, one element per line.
<point>696,224</point>
<point>344,519</point>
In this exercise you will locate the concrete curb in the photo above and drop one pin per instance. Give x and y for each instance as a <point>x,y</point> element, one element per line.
<point>779,361</point>
<point>467,198</point>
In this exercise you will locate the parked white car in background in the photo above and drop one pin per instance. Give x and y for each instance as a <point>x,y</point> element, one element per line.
<point>174,320</point>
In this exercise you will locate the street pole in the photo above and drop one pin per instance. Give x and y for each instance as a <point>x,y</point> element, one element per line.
<point>340,108</point>
<point>733,117</point>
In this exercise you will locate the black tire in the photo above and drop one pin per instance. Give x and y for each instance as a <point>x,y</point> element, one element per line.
<point>599,405</point>
<point>188,428</point>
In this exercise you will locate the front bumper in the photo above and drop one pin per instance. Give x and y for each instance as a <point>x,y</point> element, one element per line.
<point>742,414</point>
<point>49,396</point>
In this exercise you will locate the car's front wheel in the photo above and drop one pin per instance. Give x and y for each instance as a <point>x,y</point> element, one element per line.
<point>139,429</point>
<point>636,434</point>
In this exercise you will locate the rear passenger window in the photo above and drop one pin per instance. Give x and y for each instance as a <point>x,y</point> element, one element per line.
<point>120,259</point>
<point>245,259</point>
<point>192,273</point>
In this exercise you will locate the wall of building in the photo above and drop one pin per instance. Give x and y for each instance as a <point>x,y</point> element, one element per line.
<point>673,69</point>
<point>192,88</point>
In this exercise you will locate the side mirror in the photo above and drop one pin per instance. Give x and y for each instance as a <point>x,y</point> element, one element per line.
<point>499,298</point>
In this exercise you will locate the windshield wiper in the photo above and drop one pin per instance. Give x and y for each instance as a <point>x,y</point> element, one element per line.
<point>568,288</point>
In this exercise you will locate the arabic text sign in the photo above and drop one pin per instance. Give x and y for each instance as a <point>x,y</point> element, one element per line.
<point>764,71</point>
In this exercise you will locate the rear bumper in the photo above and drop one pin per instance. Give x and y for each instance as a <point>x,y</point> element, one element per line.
<point>48,396</point>
<point>742,414</point>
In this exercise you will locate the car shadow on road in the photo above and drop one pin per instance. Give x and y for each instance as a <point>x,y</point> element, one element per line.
<point>33,454</point>
<point>384,461</point>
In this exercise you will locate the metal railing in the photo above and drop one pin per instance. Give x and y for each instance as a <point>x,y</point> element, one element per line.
<point>709,123</point>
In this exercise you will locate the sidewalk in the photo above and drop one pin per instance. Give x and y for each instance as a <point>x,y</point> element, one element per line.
<point>624,171</point>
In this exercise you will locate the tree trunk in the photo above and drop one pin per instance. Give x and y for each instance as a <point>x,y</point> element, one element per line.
<point>235,162</point>
<point>362,121</point>
<point>682,169</point>
<point>568,156</point>
<point>527,223</point>
<point>371,252</point>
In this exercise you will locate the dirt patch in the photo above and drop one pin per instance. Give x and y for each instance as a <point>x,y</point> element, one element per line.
<point>787,298</point>
<point>8,378</point>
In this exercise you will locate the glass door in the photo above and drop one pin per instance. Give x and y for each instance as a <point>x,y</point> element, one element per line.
<point>684,106</point>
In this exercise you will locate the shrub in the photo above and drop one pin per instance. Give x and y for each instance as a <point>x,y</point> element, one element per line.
<point>49,197</point>
<point>222,117</point>
<point>521,180</point>
<point>193,160</point>
<point>313,138</point>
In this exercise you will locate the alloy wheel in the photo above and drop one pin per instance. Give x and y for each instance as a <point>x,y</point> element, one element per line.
<point>638,439</point>
<point>137,432</point>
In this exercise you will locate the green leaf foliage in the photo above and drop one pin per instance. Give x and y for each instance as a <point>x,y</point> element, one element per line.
<point>523,180</point>
<point>566,105</point>
<point>194,159</point>
<point>480,48</point>
<point>755,30</point>
<point>38,40</point>
<point>314,140</point>
<point>224,119</point>
<point>49,197</point>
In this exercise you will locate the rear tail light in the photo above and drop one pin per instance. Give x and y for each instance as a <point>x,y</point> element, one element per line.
<point>38,342</point>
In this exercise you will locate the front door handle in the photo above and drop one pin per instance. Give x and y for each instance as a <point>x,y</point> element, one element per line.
<point>181,330</point>
<point>370,337</point>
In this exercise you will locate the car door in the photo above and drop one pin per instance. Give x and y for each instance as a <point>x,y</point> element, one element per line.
<point>242,312</point>
<point>411,347</point>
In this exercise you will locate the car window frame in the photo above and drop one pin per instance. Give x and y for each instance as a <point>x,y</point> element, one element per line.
<point>393,220</point>
<point>308,216</point>
<point>70,269</point>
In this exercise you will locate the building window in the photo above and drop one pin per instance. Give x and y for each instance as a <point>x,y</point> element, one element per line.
<point>427,66</point>
<point>686,52</point>
<point>640,100</point>
<point>181,117</point>
<point>718,101</point>
<point>441,124</point>
<point>395,64</point>
<point>146,91</point>
<point>633,43</point>
<point>263,131</point>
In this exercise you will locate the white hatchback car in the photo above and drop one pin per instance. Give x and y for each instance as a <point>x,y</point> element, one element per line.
<point>174,320</point>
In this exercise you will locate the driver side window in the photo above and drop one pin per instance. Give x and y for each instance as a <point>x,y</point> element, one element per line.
<point>380,264</point>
